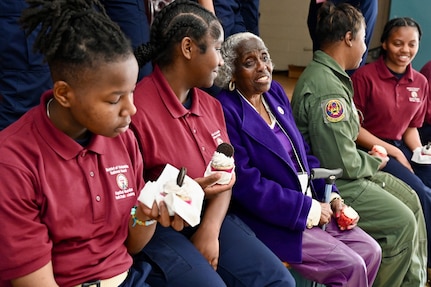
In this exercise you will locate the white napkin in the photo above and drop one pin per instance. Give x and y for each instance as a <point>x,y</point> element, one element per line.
<point>154,190</point>
<point>420,155</point>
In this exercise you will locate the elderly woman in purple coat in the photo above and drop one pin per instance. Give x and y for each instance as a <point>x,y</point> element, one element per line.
<point>273,193</point>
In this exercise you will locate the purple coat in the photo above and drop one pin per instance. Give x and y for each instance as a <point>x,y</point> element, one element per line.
<point>267,194</point>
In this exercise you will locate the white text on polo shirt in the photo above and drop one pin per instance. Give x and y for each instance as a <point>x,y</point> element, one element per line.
<point>117,169</point>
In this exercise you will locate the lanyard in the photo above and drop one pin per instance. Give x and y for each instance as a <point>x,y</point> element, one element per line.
<point>303,176</point>
<point>298,159</point>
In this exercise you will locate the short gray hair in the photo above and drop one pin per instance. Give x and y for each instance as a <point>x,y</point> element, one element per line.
<point>230,54</point>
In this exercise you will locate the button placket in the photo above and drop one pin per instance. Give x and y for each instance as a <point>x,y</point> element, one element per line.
<point>87,161</point>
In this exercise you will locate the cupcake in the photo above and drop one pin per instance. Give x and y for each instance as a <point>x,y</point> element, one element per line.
<point>178,187</point>
<point>347,217</point>
<point>426,150</point>
<point>379,150</point>
<point>181,194</point>
<point>222,162</point>
<point>179,191</point>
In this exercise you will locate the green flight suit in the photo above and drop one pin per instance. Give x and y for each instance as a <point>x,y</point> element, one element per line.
<point>389,209</point>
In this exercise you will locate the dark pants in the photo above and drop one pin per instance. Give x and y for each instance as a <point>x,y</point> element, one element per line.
<point>423,171</point>
<point>244,260</point>
<point>138,274</point>
<point>425,133</point>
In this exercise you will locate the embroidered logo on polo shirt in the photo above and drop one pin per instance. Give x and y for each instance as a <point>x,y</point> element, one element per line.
<point>122,181</point>
<point>414,97</point>
<point>120,173</point>
<point>333,110</point>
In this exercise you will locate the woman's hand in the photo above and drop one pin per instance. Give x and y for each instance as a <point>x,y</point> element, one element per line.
<point>326,213</point>
<point>348,218</point>
<point>350,226</point>
<point>207,243</point>
<point>160,213</point>
<point>337,206</point>
<point>211,189</point>
<point>384,158</point>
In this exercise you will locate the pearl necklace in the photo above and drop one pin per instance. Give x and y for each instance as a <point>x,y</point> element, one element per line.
<point>47,107</point>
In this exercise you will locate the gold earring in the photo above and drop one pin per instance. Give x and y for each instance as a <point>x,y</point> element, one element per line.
<point>231,86</point>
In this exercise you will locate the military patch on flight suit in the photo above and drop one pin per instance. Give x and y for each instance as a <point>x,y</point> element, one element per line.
<point>334,110</point>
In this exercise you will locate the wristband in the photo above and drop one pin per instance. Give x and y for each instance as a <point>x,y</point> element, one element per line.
<point>139,222</point>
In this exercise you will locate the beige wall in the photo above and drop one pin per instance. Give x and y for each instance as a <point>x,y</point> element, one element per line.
<point>283,27</point>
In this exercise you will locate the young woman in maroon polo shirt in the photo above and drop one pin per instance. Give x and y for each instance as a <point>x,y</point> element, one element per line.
<point>179,124</point>
<point>391,99</point>
<point>71,171</point>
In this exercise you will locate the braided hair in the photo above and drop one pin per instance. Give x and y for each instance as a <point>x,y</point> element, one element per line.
<point>74,35</point>
<point>334,21</point>
<point>181,18</point>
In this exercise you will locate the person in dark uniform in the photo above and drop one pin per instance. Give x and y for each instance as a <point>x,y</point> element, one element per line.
<point>23,74</point>
<point>238,15</point>
<point>132,17</point>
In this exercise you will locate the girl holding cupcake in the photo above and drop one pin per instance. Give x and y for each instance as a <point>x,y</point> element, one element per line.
<point>179,124</point>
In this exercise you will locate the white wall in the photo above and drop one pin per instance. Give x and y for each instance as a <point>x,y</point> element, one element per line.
<point>283,27</point>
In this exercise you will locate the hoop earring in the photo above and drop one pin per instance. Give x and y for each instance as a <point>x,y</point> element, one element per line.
<point>231,86</point>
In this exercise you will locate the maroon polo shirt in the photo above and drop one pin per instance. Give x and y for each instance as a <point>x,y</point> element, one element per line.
<point>389,106</point>
<point>170,133</point>
<point>64,202</point>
